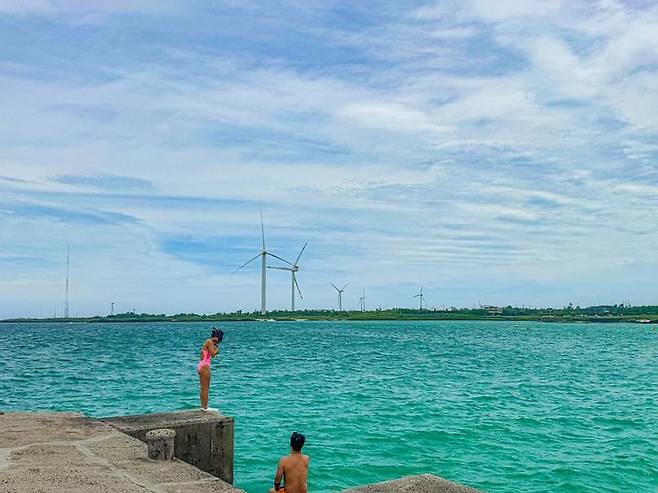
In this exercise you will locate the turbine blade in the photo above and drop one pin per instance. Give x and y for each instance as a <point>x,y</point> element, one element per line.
<point>335,286</point>
<point>297,286</point>
<point>343,289</point>
<point>279,268</point>
<point>300,253</point>
<point>248,262</point>
<point>281,259</point>
<point>262,227</point>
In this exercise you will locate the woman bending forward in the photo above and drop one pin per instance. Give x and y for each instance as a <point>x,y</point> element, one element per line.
<point>209,350</point>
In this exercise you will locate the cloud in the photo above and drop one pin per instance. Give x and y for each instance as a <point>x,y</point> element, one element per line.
<point>58,214</point>
<point>105,182</point>
<point>388,115</point>
<point>506,148</point>
<point>74,9</point>
<point>497,10</point>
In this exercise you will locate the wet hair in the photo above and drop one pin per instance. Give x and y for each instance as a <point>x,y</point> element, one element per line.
<point>297,441</point>
<point>217,333</point>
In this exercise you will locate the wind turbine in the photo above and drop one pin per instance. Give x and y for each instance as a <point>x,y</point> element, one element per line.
<point>263,272</point>
<point>68,263</point>
<point>362,301</point>
<point>420,296</point>
<point>340,296</point>
<point>293,269</point>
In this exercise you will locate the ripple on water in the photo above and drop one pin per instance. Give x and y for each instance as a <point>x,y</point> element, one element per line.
<point>559,407</point>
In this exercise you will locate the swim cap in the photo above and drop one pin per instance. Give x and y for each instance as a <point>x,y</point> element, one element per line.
<point>217,333</point>
<point>297,441</point>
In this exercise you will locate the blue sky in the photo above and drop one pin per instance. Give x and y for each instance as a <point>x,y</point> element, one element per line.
<point>494,151</point>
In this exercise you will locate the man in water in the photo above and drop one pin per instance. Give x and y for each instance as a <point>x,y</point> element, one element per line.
<point>293,467</point>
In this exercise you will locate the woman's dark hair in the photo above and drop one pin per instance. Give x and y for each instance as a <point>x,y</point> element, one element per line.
<point>218,334</point>
<point>297,441</point>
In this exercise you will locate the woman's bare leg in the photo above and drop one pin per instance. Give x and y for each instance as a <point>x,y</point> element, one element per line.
<point>204,383</point>
<point>207,387</point>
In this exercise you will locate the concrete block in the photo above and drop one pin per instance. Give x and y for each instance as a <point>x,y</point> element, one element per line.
<point>423,483</point>
<point>160,444</point>
<point>203,439</point>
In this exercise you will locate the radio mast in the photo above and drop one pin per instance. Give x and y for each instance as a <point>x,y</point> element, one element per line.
<point>68,263</point>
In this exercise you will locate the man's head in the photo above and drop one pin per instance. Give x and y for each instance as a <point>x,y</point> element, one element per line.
<point>297,441</point>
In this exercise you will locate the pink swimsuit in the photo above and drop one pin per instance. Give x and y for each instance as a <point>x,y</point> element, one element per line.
<point>205,360</point>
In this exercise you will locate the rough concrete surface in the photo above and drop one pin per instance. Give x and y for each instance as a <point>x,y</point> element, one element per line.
<point>424,483</point>
<point>140,422</point>
<point>203,439</point>
<point>53,452</point>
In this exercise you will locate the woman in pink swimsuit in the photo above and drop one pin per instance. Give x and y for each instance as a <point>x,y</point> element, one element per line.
<point>209,350</point>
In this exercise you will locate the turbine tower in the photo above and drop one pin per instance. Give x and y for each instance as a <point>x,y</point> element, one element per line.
<point>294,268</point>
<point>420,297</point>
<point>68,263</point>
<point>340,296</point>
<point>362,301</point>
<point>263,274</point>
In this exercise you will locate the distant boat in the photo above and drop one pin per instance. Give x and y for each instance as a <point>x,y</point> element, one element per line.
<point>644,321</point>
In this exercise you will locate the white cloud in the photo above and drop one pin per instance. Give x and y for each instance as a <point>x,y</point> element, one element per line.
<point>24,7</point>
<point>464,152</point>
<point>388,116</point>
<point>75,9</point>
<point>497,10</point>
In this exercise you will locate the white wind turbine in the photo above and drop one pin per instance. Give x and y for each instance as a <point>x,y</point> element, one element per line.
<point>420,297</point>
<point>362,301</point>
<point>263,275</point>
<point>68,263</point>
<point>340,296</point>
<point>294,268</point>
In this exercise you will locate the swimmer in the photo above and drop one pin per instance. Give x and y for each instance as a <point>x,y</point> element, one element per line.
<point>293,468</point>
<point>209,350</point>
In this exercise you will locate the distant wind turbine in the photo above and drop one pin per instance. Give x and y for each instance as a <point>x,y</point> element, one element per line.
<point>340,296</point>
<point>294,268</point>
<point>420,297</point>
<point>263,275</point>
<point>68,263</point>
<point>362,301</point>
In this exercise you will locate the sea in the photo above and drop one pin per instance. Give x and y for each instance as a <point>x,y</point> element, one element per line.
<point>500,406</point>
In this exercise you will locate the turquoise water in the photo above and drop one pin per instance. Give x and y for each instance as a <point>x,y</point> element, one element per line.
<point>533,407</point>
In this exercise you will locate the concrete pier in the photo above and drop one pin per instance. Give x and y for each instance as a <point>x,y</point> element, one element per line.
<point>203,439</point>
<point>423,483</point>
<point>55,452</point>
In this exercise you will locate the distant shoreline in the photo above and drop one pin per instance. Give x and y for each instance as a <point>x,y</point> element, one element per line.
<point>525,315</point>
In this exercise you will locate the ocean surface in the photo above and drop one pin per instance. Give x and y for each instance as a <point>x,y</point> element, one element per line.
<point>496,405</point>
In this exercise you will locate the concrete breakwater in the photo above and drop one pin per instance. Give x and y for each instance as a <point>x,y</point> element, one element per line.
<point>203,439</point>
<point>422,483</point>
<point>53,452</point>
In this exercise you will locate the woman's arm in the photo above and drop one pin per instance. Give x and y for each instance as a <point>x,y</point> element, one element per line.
<point>211,348</point>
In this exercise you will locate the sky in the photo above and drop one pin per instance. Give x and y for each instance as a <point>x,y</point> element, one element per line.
<point>493,151</point>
